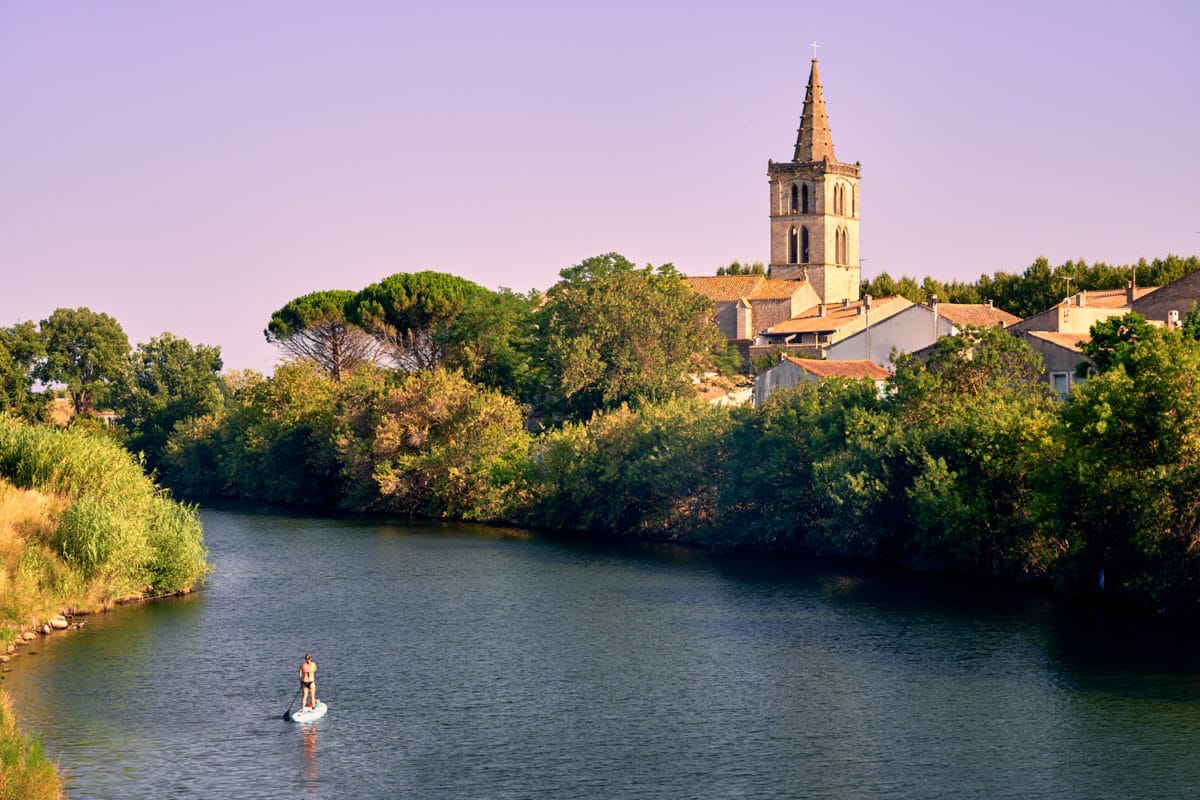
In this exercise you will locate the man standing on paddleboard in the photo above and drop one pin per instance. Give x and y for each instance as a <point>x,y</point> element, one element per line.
<point>308,682</point>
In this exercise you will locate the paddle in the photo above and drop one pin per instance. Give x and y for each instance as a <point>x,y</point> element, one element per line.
<point>287,714</point>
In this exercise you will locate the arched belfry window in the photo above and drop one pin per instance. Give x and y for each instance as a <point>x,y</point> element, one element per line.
<point>792,246</point>
<point>795,204</point>
<point>804,199</point>
<point>854,202</point>
<point>803,245</point>
<point>837,243</point>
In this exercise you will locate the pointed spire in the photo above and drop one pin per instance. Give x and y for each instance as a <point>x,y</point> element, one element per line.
<point>813,140</point>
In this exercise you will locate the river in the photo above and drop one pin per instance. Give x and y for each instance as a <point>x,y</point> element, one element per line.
<point>462,662</point>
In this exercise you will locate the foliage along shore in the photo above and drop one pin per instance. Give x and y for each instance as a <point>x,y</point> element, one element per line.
<point>966,464</point>
<point>575,409</point>
<point>81,527</point>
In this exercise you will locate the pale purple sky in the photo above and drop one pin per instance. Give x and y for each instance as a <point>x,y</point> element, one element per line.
<point>193,166</point>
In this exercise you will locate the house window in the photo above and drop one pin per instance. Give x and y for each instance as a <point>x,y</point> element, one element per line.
<point>1061,383</point>
<point>803,245</point>
<point>792,246</point>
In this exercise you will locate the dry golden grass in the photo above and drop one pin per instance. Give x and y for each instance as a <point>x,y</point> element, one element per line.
<point>34,582</point>
<point>61,411</point>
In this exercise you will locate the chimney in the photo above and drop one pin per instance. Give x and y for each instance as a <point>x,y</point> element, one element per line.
<point>1129,293</point>
<point>867,301</point>
<point>991,303</point>
<point>845,302</point>
<point>859,311</point>
<point>1081,298</point>
<point>820,309</point>
<point>933,301</point>
<point>1172,319</point>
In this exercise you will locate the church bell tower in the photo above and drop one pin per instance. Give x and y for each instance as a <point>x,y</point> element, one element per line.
<point>814,207</point>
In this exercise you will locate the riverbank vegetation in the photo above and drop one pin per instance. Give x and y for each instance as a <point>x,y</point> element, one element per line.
<point>25,771</point>
<point>81,525</point>
<point>426,394</point>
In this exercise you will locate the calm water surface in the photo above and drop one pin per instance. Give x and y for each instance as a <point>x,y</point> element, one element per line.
<point>460,663</point>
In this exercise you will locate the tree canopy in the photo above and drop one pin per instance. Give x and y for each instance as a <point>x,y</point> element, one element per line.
<point>85,350</point>
<point>317,326</point>
<point>21,346</point>
<point>1112,341</point>
<point>411,313</point>
<point>169,381</point>
<point>610,333</point>
<point>1039,287</point>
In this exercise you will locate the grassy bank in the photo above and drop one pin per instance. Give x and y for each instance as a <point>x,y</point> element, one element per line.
<point>25,771</point>
<point>81,527</point>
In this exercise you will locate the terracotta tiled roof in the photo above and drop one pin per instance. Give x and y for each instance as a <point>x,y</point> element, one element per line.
<point>773,289</point>
<point>725,288</point>
<point>980,315</point>
<point>1070,341</point>
<point>841,369</point>
<point>731,288</point>
<point>1109,298</point>
<point>838,317</point>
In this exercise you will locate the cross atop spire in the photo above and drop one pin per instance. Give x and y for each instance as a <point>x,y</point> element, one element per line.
<point>813,140</point>
<point>814,46</point>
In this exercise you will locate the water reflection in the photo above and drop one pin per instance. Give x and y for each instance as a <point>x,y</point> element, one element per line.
<point>308,758</point>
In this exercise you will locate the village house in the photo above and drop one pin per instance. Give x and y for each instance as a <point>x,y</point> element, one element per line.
<point>791,371</point>
<point>913,328</point>
<point>1058,333</point>
<point>1170,304</point>
<point>816,330</point>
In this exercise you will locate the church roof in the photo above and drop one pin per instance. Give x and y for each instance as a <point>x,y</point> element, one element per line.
<point>732,288</point>
<point>813,140</point>
<point>725,288</point>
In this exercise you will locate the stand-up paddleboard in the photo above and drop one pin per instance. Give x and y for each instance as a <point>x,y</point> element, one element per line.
<point>310,714</point>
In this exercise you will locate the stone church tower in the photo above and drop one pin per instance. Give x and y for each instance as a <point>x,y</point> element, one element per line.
<point>814,208</point>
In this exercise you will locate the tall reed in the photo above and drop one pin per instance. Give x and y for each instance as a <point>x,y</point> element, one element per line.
<point>117,526</point>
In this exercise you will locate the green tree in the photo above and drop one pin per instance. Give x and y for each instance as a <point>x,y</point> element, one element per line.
<point>86,351</point>
<point>650,471</point>
<point>977,360</point>
<point>434,445</point>
<point>490,341</point>
<point>1190,327</point>
<point>610,333</point>
<point>411,314</point>
<point>317,326</point>
<point>1112,341</point>
<point>21,346</point>
<point>738,268</point>
<point>169,381</point>
<point>1129,485</point>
